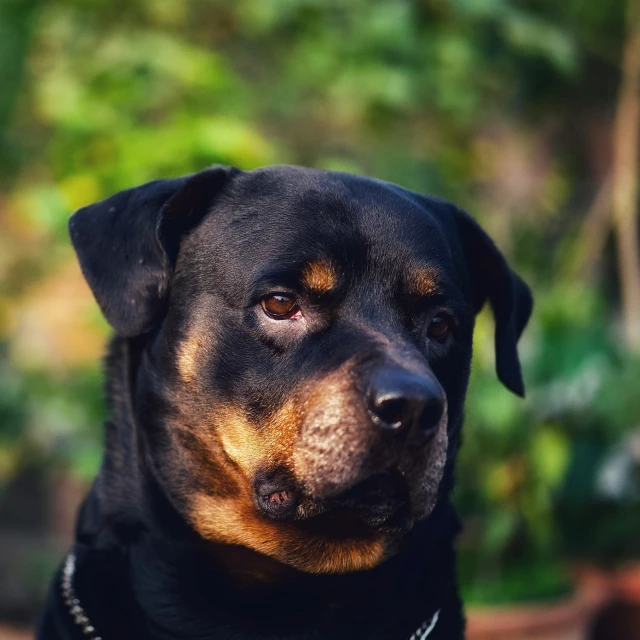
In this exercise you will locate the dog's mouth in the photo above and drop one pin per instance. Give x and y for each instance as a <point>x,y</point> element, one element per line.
<point>379,503</point>
<point>276,495</point>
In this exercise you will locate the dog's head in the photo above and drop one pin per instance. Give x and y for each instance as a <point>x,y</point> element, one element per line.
<point>308,350</point>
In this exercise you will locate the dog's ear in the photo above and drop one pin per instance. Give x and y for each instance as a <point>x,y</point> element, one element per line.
<point>509,296</point>
<point>127,244</point>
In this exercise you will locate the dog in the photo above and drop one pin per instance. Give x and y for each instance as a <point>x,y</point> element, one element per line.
<point>285,390</point>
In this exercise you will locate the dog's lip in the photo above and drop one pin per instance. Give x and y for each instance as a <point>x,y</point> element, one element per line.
<point>338,520</point>
<point>377,501</point>
<point>380,493</point>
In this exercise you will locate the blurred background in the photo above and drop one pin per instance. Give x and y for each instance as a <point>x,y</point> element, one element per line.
<point>525,112</point>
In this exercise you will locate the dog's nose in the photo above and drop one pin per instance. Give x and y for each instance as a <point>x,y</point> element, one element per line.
<point>402,402</point>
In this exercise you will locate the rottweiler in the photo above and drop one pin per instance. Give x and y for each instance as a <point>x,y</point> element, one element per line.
<point>285,394</point>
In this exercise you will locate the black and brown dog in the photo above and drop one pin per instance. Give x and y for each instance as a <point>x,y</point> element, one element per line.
<point>285,394</point>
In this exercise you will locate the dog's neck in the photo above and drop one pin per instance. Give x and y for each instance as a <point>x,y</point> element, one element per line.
<point>152,585</point>
<point>167,580</point>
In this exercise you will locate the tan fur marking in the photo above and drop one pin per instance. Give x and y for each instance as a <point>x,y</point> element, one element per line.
<point>424,281</point>
<point>337,439</point>
<point>198,338</point>
<point>187,359</point>
<point>251,447</point>
<point>236,521</point>
<point>320,276</point>
<point>232,522</point>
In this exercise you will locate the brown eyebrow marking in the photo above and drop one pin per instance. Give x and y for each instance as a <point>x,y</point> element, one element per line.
<point>320,275</point>
<point>198,338</point>
<point>424,281</point>
<point>187,359</point>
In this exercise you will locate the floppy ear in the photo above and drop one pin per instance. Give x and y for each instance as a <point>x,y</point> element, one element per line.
<point>127,244</point>
<point>510,298</point>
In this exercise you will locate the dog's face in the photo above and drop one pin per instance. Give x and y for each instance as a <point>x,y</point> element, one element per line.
<point>308,351</point>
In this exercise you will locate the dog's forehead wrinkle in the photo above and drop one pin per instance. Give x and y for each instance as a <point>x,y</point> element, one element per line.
<point>317,215</point>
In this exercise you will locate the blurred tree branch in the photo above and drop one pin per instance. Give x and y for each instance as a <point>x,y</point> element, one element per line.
<point>593,235</point>
<point>17,20</point>
<point>624,187</point>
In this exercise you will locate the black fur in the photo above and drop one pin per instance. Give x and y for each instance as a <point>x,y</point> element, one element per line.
<point>208,246</point>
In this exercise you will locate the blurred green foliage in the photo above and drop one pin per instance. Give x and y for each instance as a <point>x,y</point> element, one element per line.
<point>503,106</point>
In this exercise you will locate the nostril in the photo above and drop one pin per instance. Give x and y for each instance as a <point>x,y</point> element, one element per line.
<point>431,415</point>
<point>391,412</point>
<point>405,403</point>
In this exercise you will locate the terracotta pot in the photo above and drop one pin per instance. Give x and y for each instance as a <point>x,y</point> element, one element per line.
<point>621,619</point>
<point>627,584</point>
<point>565,620</point>
<point>11,633</point>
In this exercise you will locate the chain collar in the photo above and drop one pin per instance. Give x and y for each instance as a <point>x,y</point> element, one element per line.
<point>425,629</point>
<point>70,598</point>
<point>80,617</point>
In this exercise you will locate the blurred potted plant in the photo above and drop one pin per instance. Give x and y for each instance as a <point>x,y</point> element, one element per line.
<point>515,580</point>
<point>515,575</point>
<point>599,506</point>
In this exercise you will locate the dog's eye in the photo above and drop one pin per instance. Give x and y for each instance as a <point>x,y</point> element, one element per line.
<point>279,306</point>
<point>439,328</point>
